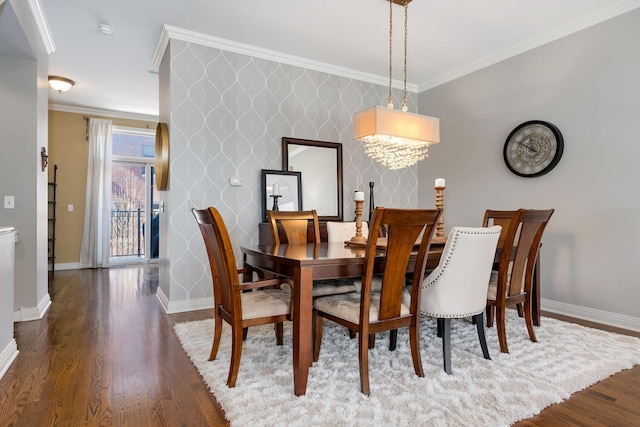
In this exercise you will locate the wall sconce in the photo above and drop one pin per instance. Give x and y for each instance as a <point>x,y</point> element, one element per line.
<point>61,84</point>
<point>44,157</point>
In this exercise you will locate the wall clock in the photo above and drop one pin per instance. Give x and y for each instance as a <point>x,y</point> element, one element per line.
<point>162,156</point>
<point>533,148</point>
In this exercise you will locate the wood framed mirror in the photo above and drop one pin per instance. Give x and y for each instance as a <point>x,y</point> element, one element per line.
<point>320,163</point>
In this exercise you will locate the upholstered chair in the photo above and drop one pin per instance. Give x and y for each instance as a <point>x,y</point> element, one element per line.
<point>457,288</point>
<point>367,312</point>
<point>265,304</point>
<point>338,231</point>
<point>511,284</point>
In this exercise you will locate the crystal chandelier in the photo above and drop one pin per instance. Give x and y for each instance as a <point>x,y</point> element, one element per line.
<point>396,139</point>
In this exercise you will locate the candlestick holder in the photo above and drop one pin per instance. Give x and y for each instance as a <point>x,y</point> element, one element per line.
<point>440,205</point>
<point>359,238</point>
<point>275,201</point>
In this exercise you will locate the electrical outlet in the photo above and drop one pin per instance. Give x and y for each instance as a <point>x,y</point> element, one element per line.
<point>70,207</point>
<point>9,202</point>
<point>236,182</point>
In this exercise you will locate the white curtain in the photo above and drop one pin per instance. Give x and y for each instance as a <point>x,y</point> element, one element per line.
<point>96,233</point>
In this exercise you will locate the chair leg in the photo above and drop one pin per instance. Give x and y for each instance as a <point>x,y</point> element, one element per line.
<point>446,344</point>
<point>483,341</point>
<point>528,317</point>
<point>414,341</point>
<point>236,353</point>
<point>439,326</point>
<point>502,329</point>
<point>217,333</point>
<point>393,339</point>
<point>372,341</point>
<point>363,348</point>
<point>317,336</point>
<point>490,310</point>
<point>352,334</point>
<point>279,333</point>
<point>520,311</point>
<point>244,333</point>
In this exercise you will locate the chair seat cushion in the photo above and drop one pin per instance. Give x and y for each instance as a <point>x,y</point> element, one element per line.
<point>264,303</point>
<point>348,306</point>
<point>493,286</point>
<point>328,287</point>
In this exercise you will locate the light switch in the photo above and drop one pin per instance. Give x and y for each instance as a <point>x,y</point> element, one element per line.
<point>236,182</point>
<point>70,207</point>
<point>9,202</point>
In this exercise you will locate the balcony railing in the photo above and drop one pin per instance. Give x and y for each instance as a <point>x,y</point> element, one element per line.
<point>127,233</point>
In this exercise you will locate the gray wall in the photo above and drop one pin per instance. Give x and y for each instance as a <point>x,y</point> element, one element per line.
<point>23,123</point>
<point>228,114</point>
<point>588,85</point>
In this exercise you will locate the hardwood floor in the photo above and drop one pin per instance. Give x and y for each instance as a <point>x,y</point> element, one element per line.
<point>106,354</point>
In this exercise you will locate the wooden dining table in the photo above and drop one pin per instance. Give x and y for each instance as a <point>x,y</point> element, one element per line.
<point>308,262</point>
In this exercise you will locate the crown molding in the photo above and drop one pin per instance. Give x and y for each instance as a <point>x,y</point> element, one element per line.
<point>103,113</point>
<point>42,26</point>
<point>170,32</point>
<point>530,44</point>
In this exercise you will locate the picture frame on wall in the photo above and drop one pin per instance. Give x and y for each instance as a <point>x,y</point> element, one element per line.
<point>288,186</point>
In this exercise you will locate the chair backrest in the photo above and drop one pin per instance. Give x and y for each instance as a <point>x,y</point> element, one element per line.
<point>458,286</point>
<point>222,262</point>
<point>501,218</point>
<point>515,273</point>
<point>404,227</point>
<point>338,231</point>
<point>295,225</point>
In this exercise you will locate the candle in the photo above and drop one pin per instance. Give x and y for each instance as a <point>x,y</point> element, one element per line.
<point>358,196</point>
<point>440,182</point>
<point>276,189</point>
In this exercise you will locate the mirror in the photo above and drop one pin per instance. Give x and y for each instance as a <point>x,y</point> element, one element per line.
<point>321,166</point>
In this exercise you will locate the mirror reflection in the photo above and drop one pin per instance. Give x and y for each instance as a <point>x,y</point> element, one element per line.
<point>321,166</point>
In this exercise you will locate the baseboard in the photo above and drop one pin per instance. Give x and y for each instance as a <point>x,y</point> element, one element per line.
<point>66,266</point>
<point>26,314</point>
<point>171,307</point>
<point>7,357</point>
<point>593,315</point>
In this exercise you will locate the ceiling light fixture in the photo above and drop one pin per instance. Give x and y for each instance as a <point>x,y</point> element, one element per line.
<point>396,139</point>
<point>61,84</point>
<point>105,29</point>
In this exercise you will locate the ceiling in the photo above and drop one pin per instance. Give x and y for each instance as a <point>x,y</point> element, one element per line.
<point>447,39</point>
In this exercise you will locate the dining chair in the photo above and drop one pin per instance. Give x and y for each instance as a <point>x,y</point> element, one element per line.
<point>511,284</point>
<point>457,287</point>
<point>368,312</point>
<point>265,304</point>
<point>296,226</point>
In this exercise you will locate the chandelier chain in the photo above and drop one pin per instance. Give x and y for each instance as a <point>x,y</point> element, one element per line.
<point>405,108</point>
<point>390,100</point>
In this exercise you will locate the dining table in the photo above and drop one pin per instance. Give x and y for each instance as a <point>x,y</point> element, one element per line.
<point>305,263</point>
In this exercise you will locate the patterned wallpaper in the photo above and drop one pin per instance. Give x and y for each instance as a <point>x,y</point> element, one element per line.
<point>228,114</point>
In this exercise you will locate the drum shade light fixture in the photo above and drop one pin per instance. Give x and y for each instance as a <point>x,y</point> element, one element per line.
<point>396,138</point>
<point>61,84</point>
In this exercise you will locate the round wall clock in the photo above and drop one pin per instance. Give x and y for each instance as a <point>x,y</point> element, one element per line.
<point>162,156</point>
<point>533,148</point>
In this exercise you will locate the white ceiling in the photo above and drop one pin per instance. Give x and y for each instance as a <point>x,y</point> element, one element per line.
<point>447,39</point>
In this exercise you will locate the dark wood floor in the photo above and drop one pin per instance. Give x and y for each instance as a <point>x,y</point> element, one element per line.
<point>106,354</point>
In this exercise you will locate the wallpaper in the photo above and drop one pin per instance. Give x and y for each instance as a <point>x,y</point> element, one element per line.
<point>228,114</point>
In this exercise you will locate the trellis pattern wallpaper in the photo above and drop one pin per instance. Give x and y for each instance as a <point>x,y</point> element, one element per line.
<point>228,114</point>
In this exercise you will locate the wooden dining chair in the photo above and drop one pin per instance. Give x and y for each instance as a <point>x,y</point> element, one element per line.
<point>265,304</point>
<point>302,227</point>
<point>457,288</point>
<point>511,284</point>
<point>368,312</point>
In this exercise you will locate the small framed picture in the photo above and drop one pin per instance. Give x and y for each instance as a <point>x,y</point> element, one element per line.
<point>285,186</point>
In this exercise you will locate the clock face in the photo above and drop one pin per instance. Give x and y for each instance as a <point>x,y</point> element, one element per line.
<point>533,148</point>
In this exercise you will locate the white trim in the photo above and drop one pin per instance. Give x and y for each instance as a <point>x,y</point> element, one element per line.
<point>593,315</point>
<point>171,307</point>
<point>529,44</point>
<point>103,113</point>
<point>26,314</point>
<point>8,355</point>
<point>66,266</point>
<point>41,23</point>
<point>170,32</point>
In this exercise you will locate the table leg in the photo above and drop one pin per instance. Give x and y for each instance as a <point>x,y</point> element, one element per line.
<point>302,334</point>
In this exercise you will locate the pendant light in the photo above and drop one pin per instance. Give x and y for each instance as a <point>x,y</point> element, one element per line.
<point>396,138</point>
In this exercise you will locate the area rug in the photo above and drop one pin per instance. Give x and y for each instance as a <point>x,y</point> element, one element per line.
<point>510,387</point>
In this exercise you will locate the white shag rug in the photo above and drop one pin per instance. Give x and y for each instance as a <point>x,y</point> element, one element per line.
<point>510,387</point>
